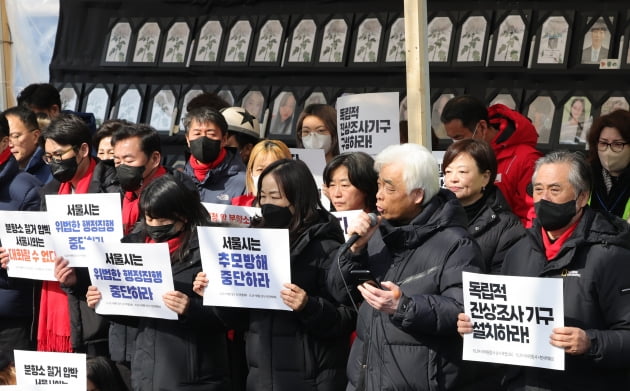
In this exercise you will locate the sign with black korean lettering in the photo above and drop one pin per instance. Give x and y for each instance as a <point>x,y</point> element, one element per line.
<point>27,239</point>
<point>132,278</point>
<point>231,214</point>
<point>315,160</point>
<point>78,219</point>
<point>513,318</point>
<point>246,267</point>
<point>46,369</point>
<point>345,220</point>
<point>368,122</point>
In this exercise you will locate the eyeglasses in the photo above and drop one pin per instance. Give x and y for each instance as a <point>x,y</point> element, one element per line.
<point>306,131</point>
<point>615,146</point>
<point>55,157</point>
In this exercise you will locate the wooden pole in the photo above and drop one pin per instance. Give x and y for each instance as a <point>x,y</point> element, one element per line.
<point>418,100</point>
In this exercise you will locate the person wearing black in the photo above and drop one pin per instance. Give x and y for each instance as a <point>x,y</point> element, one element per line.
<point>307,348</point>
<point>189,353</point>
<point>469,172</point>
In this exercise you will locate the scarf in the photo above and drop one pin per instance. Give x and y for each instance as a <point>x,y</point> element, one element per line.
<point>201,169</point>
<point>131,200</point>
<point>5,155</point>
<point>553,248</point>
<point>53,333</point>
<point>173,243</point>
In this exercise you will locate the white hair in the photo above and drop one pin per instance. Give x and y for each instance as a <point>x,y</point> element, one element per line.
<point>420,169</point>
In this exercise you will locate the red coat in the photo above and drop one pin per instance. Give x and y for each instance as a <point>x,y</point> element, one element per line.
<point>515,149</point>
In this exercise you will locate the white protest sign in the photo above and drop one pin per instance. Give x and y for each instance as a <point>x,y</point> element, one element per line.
<point>368,122</point>
<point>246,267</point>
<point>232,214</point>
<point>345,219</point>
<point>316,162</point>
<point>132,277</point>
<point>26,238</point>
<point>48,368</point>
<point>76,219</point>
<point>513,318</point>
<point>439,156</point>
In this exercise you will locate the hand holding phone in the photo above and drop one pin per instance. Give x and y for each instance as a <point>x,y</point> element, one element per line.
<point>363,275</point>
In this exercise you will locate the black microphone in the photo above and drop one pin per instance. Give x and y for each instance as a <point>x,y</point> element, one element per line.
<point>355,236</point>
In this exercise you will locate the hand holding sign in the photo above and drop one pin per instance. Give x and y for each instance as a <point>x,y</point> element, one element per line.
<point>464,324</point>
<point>573,340</point>
<point>63,273</point>
<point>176,301</point>
<point>4,258</point>
<point>93,296</point>
<point>200,283</point>
<point>294,296</point>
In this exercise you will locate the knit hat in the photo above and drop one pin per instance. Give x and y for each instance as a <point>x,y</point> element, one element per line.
<point>240,120</point>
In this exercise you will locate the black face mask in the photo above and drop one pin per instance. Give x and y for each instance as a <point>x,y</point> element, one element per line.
<point>276,216</point>
<point>130,177</point>
<point>554,216</point>
<point>205,150</point>
<point>65,170</point>
<point>162,233</point>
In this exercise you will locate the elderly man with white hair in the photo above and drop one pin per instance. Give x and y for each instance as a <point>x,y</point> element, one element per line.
<point>417,248</point>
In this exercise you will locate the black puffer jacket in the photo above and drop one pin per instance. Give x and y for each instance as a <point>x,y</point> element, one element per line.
<point>416,348</point>
<point>305,350</point>
<point>188,354</point>
<point>496,229</point>
<point>89,331</point>
<point>594,264</point>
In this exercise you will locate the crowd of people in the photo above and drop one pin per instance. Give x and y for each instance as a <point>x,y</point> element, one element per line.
<point>382,311</point>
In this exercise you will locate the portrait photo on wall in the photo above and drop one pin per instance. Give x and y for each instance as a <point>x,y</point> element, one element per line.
<point>70,94</point>
<point>552,41</point>
<point>576,120</point>
<point>128,102</point>
<point>163,107</point>
<point>597,40</point>
<point>472,39</point>
<point>395,51</point>
<point>96,100</point>
<point>440,36</point>
<point>436,111</point>
<point>613,103</point>
<point>510,38</point>
<point>255,102</point>
<point>541,112</point>
<point>504,96</point>
<point>283,114</point>
<point>367,39</point>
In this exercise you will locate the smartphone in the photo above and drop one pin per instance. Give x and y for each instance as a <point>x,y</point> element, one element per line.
<point>363,275</point>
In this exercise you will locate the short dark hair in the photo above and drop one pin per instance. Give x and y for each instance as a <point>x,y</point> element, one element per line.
<point>25,115</point>
<point>167,197</point>
<point>479,150</point>
<point>68,129</point>
<point>4,126</point>
<point>149,137</point>
<point>107,129</point>
<point>206,114</point>
<point>39,95</point>
<point>243,139</point>
<point>465,108</point>
<point>328,115</point>
<point>207,99</point>
<point>361,174</point>
<point>297,184</point>
<point>618,119</point>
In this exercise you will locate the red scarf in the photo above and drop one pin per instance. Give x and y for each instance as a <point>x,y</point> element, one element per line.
<point>173,243</point>
<point>53,333</point>
<point>130,207</point>
<point>201,169</point>
<point>553,248</point>
<point>5,155</point>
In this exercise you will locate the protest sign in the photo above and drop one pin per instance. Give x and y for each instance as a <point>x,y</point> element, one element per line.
<point>48,368</point>
<point>76,219</point>
<point>246,267</point>
<point>132,277</point>
<point>368,122</point>
<point>345,218</point>
<point>27,239</point>
<point>513,318</point>
<point>231,214</point>
<point>315,160</point>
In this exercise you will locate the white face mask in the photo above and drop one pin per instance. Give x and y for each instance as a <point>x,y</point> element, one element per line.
<point>614,162</point>
<point>317,141</point>
<point>255,179</point>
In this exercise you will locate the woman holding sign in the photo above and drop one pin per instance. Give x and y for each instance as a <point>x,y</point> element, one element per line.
<point>305,349</point>
<point>189,353</point>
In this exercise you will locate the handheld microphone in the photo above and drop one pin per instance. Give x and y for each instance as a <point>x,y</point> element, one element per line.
<point>373,221</point>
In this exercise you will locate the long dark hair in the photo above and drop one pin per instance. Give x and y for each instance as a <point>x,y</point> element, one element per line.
<point>103,373</point>
<point>167,197</point>
<point>297,183</point>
